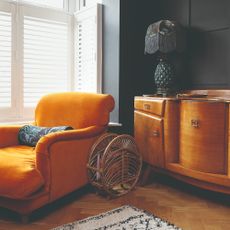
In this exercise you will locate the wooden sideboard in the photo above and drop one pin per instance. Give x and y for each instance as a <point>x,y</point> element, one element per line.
<point>187,137</point>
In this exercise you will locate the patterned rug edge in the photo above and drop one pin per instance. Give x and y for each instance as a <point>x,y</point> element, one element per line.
<point>154,216</point>
<point>110,212</point>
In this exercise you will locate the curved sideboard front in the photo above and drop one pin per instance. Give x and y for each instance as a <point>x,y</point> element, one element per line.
<point>186,137</point>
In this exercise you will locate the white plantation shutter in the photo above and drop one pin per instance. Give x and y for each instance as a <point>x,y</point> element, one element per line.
<point>5,59</point>
<point>88,49</point>
<point>86,3</point>
<point>90,2</point>
<point>45,58</point>
<point>51,3</point>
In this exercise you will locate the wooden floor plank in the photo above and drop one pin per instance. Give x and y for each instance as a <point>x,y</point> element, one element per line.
<point>184,205</point>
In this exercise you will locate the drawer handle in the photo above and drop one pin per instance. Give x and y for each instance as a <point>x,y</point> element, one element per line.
<point>156,133</point>
<point>147,106</point>
<point>195,123</point>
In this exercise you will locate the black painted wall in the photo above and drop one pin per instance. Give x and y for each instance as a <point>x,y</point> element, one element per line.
<point>205,64</point>
<point>207,56</point>
<point>136,69</point>
<point>209,44</point>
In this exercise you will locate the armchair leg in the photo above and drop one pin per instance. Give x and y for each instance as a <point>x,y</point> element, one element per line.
<point>25,219</point>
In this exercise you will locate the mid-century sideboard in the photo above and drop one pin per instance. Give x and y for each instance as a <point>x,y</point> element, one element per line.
<point>187,137</point>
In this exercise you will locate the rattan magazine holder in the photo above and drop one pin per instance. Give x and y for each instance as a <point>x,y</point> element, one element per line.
<point>114,164</point>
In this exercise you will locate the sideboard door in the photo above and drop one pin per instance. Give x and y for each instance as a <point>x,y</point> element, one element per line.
<point>149,137</point>
<point>203,136</point>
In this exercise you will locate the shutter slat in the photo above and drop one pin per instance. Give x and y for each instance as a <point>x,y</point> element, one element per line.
<point>31,47</point>
<point>43,44</point>
<point>44,37</point>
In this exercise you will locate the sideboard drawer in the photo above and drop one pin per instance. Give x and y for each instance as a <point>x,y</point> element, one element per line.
<point>152,106</point>
<point>149,137</point>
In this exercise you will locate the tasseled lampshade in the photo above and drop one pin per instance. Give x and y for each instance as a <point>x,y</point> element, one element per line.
<point>164,36</point>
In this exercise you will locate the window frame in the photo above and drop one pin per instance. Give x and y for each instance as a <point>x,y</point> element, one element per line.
<point>10,111</point>
<point>83,4</point>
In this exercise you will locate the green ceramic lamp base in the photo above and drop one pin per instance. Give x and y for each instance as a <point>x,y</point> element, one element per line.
<point>164,78</point>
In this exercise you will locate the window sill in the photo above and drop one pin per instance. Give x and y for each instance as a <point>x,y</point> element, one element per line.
<point>115,124</point>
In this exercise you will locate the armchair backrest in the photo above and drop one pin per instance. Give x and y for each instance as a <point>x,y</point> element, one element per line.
<point>75,109</point>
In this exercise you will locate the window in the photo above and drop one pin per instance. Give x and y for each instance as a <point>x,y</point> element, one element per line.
<point>44,50</point>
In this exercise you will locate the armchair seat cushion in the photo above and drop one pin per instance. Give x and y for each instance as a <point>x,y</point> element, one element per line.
<point>19,177</point>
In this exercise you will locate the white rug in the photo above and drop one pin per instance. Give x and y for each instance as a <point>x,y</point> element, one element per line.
<point>123,218</point>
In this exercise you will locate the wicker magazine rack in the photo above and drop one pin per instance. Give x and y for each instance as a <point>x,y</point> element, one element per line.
<point>114,164</point>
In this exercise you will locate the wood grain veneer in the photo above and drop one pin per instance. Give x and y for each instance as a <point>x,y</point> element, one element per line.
<point>202,145</point>
<point>193,136</point>
<point>171,130</point>
<point>149,137</point>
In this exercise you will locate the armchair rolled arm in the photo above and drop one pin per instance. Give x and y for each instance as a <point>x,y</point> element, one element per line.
<point>45,142</point>
<point>9,135</point>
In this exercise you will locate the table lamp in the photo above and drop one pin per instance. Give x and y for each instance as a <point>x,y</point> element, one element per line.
<point>164,37</point>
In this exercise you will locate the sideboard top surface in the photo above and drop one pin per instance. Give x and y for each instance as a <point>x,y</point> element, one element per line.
<point>219,95</point>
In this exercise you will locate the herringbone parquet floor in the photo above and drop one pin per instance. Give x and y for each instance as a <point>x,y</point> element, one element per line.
<point>186,206</point>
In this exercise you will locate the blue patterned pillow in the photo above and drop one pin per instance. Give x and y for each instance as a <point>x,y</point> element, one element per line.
<point>30,135</point>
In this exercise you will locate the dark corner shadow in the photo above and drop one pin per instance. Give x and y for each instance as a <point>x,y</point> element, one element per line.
<point>8,215</point>
<point>215,197</point>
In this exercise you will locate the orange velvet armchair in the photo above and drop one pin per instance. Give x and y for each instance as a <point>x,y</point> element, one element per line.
<point>34,176</point>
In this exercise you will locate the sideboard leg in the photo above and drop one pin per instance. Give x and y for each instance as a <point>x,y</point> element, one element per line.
<point>25,219</point>
<point>145,173</point>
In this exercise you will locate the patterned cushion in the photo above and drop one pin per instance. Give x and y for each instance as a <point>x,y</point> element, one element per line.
<point>30,135</point>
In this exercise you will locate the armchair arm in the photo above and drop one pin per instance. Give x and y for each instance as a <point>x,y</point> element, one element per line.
<point>45,142</point>
<point>62,157</point>
<point>9,135</point>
